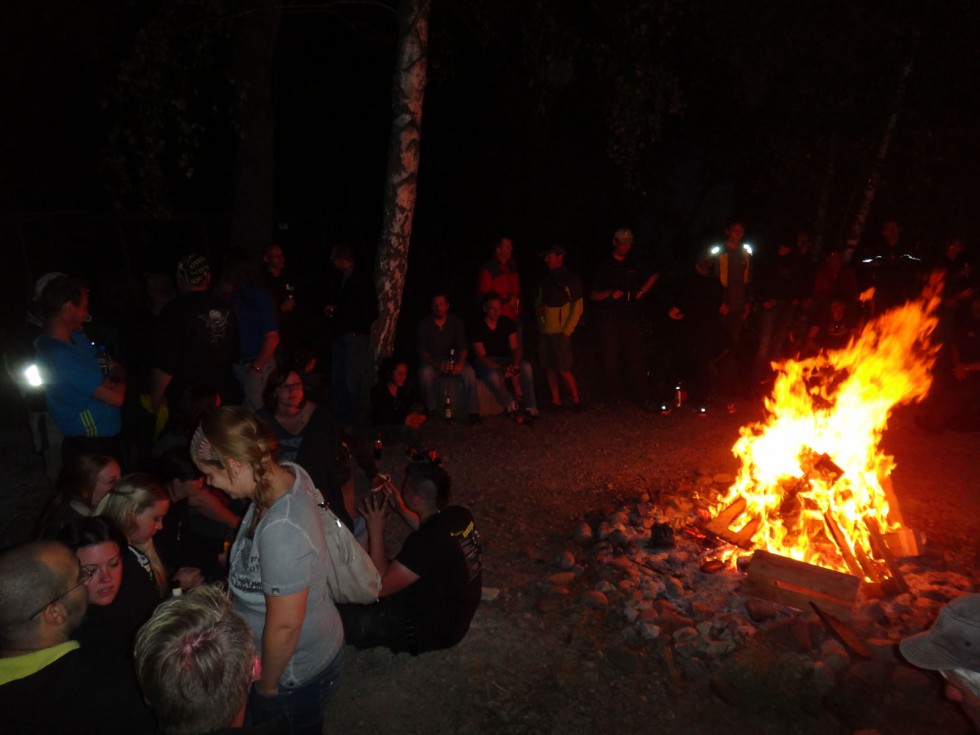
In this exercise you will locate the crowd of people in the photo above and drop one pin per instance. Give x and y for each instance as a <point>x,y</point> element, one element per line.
<point>222,455</point>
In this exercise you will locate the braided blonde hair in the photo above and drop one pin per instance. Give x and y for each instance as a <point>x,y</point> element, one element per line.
<point>234,432</point>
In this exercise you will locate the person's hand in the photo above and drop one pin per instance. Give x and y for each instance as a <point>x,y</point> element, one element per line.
<point>188,577</point>
<point>374,508</point>
<point>723,310</point>
<point>617,294</point>
<point>768,304</point>
<point>457,369</point>
<point>675,313</point>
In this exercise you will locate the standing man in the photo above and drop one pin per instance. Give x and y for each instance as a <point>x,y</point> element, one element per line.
<point>498,357</point>
<point>621,281</point>
<point>282,286</point>
<point>258,324</point>
<point>559,304</point>
<point>499,275</point>
<point>732,267</point>
<point>195,338</point>
<point>351,308</point>
<point>84,389</point>
<point>442,349</point>
<point>891,267</point>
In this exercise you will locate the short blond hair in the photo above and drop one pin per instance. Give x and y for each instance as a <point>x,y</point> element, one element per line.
<point>194,661</point>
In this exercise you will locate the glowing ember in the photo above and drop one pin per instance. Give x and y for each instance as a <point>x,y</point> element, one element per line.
<point>833,407</point>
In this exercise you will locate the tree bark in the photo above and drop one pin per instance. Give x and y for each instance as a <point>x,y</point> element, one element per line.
<point>408,89</point>
<point>253,218</point>
<point>871,186</point>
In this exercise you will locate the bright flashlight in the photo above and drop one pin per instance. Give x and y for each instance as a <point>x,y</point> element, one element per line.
<point>33,376</point>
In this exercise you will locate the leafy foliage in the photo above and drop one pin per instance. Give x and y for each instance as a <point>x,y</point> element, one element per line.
<point>168,92</point>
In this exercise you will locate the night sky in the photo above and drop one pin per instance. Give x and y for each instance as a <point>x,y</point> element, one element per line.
<point>763,108</point>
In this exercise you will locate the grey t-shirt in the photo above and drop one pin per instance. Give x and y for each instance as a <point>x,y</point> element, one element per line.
<point>287,554</point>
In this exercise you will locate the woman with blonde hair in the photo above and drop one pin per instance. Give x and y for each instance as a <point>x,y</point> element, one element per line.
<point>137,505</point>
<point>277,569</point>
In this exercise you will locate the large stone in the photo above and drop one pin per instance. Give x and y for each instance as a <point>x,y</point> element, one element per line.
<point>595,599</point>
<point>760,610</point>
<point>561,579</point>
<point>567,560</point>
<point>583,532</point>
<point>673,588</point>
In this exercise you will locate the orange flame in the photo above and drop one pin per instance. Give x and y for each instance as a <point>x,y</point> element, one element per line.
<point>835,404</point>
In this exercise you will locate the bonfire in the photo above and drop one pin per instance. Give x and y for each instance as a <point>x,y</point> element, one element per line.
<point>815,484</point>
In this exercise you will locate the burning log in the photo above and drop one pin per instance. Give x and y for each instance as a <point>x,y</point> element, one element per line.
<point>720,525</point>
<point>898,580</point>
<point>798,584</point>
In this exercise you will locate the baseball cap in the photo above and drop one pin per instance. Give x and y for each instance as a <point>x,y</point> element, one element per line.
<point>623,234</point>
<point>193,269</point>
<point>553,250</point>
<point>953,641</point>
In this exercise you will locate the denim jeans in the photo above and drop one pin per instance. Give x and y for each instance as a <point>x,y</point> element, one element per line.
<point>497,383</point>
<point>463,385</point>
<point>298,711</point>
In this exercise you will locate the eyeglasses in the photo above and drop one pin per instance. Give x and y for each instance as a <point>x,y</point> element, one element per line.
<point>84,575</point>
<point>290,387</point>
<point>109,564</point>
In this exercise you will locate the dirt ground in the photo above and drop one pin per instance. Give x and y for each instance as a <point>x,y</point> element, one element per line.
<point>532,664</point>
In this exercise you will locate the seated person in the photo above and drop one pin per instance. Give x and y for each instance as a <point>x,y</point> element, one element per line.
<point>83,481</point>
<point>137,506</point>
<point>46,679</point>
<point>442,348</point>
<point>309,435</point>
<point>196,662</point>
<point>952,647</point>
<point>200,518</point>
<point>393,412</point>
<point>112,619</point>
<point>431,590</point>
<point>498,356</point>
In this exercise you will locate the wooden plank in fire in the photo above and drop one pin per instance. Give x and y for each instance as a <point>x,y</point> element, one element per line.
<point>798,584</point>
<point>845,550</point>
<point>898,579</point>
<point>720,525</point>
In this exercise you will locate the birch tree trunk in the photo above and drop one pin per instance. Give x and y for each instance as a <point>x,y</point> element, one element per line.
<point>871,186</point>
<point>408,90</point>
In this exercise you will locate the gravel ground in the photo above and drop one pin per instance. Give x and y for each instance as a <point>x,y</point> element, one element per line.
<point>538,664</point>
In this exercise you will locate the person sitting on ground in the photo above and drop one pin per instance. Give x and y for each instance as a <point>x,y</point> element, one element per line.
<point>196,663</point>
<point>394,413</point>
<point>46,680</point>
<point>114,614</point>
<point>952,647</point>
<point>498,357</point>
<point>308,434</point>
<point>83,481</point>
<point>442,347</point>
<point>137,505</point>
<point>199,520</point>
<point>430,591</point>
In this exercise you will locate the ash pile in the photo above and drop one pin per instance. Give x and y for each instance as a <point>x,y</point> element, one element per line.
<point>652,572</point>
